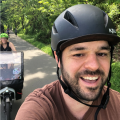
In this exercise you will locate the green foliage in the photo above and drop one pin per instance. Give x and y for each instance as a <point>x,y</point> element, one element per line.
<point>36,17</point>
<point>43,39</point>
<point>115,78</point>
<point>115,13</point>
<point>118,30</point>
<point>104,6</point>
<point>5,28</point>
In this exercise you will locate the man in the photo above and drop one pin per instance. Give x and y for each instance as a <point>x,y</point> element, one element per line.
<point>82,41</point>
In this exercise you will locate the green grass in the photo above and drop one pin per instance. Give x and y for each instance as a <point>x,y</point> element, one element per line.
<point>30,38</point>
<point>115,78</point>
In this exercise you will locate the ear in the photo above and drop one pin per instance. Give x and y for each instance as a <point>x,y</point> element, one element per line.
<point>56,58</point>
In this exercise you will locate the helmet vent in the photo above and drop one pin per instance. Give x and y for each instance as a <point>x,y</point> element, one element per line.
<point>54,29</point>
<point>69,17</point>
<point>105,19</point>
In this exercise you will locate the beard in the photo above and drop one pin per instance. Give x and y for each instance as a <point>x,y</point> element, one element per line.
<point>94,92</point>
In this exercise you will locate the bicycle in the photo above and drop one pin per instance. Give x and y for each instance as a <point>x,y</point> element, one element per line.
<point>7,96</point>
<point>11,79</point>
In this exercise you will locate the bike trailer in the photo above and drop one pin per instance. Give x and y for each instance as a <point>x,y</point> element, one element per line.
<point>12,70</point>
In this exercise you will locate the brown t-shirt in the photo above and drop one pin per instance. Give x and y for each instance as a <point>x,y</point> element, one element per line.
<point>47,103</point>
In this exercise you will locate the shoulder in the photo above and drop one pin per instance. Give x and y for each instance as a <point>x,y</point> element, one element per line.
<point>114,95</point>
<point>114,100</point>
<point>39,103</point>
<point>46,91</point>
<point>10,43</point>
<point>113,105</point>
<point>44,95</point>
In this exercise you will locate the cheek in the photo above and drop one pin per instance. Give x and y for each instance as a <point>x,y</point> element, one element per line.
<point>72,67</point>
<point>105,66</point>
<point>3,41</point>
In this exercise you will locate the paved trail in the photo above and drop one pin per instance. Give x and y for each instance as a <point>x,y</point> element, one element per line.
<point>39,69</point>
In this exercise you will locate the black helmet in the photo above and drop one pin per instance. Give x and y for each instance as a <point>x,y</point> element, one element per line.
<point>82,23</point>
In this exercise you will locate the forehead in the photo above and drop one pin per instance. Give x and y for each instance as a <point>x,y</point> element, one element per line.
<point>88,45</point>
<point>3,38</point>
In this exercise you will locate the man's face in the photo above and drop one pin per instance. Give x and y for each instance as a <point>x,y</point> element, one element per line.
<point>85,67</point>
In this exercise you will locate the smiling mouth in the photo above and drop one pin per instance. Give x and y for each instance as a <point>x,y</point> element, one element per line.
<point>90,79</point>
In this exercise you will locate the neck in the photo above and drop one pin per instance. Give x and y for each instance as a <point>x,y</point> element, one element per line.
<point>4,43</point>
<point>77,109</point>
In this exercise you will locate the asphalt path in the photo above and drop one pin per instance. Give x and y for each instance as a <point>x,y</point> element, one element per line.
<point>39,69</point>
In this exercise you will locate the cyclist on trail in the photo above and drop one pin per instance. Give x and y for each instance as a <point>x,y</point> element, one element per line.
<point>5,45</point>
<point>8,31</point>
<point>16,32</point>
<point>82,40</point>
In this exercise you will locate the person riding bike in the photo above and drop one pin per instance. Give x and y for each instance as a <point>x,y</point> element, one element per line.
<point>5,45</point>
<point>8,31</point>
<point>82,41</point>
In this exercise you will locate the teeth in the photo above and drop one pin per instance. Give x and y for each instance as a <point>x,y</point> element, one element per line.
<point>90,78</point>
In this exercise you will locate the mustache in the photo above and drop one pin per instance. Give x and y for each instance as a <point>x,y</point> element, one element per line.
<point>88,72</point>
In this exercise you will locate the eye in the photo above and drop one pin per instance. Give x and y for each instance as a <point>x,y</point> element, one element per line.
<point>102,54</point>
<point>78,55</point>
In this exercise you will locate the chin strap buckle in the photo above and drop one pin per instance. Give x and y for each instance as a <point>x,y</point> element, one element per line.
<point>67,91</point>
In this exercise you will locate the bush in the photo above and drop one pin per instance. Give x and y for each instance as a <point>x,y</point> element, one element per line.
<point>43,36</point>
<point>118,30</point>
<point>5,28</point>
<point>104,6</point>
<point>115,78</point>
<point>115,13</point>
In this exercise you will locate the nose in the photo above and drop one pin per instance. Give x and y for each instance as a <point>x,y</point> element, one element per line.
<point>92,62</point>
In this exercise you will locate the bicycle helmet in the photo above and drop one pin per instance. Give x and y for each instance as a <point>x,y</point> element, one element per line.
<point>4,35</point>
<point>83,23</point>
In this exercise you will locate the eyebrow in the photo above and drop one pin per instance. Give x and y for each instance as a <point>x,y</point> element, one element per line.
<point>78,48</point>
<point>84,48</point>
<point>105,48</point>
